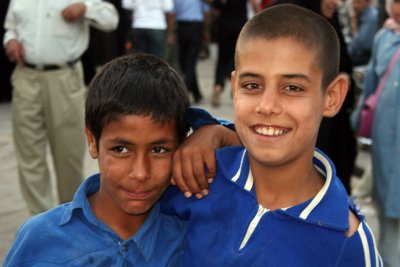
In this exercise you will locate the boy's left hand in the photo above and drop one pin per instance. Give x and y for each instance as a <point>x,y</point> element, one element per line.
<point>194,163</point>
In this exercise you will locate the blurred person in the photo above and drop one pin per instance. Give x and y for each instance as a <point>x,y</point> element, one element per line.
<point>232,15</point>
<point>46,40</point>
<point>151,23</point>
<point>365,23</point>
<point>6,66</point>
<point>105,46</point>
<point>192,19</point>
<point>385,137</point>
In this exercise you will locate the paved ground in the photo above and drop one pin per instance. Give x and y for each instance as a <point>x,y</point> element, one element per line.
<point>13,210</point>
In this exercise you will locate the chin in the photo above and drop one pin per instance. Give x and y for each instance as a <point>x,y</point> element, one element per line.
<point>136,210</point>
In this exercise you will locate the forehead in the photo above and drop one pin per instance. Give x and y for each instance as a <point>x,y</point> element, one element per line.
<point>287,54</point>
<point>140,127</point>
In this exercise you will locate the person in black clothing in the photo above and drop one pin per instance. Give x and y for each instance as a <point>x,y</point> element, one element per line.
<point>336,137</point>
<point>6,66</point>
<point>231,16</point>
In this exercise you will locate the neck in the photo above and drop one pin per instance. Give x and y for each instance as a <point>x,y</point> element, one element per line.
<point>285,186</point>
<point>123,224</point>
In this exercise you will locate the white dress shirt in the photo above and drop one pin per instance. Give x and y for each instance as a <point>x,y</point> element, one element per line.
<point>149,14</point>
<point>46,37</point>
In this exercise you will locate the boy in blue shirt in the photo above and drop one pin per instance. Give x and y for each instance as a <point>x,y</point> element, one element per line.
<point>135,119</point>
<point>276,201</point>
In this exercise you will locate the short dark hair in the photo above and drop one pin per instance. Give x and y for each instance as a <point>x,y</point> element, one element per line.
<point>139,84</point>
<point>305,26</point>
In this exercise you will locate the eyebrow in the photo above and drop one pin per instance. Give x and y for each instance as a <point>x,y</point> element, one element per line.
<point>248,75</point>
<point>289,76</point>
<point>296,76</point>
<point>122,141</point>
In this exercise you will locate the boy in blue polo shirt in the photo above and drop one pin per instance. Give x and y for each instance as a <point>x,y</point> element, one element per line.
<point>135,119</point>
<point>277,201</point>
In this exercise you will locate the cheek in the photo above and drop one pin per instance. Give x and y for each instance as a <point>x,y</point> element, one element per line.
<point>161,172</point>
<point>113,168</point>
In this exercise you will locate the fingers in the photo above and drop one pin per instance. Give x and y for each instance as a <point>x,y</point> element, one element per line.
<point>196,175</point>
<point>177,177</point>
<point>210,164</point>
<point>189,174</point>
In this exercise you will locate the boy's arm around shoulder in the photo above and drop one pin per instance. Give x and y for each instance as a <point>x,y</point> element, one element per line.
<point>194,162</point>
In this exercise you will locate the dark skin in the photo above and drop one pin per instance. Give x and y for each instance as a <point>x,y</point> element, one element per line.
<point>196,151</point>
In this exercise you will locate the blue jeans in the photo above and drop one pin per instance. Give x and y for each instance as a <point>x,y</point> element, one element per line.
<point>149,41</point>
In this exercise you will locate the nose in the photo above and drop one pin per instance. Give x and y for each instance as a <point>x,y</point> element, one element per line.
<point>269,103</point>
<point>140,169</point>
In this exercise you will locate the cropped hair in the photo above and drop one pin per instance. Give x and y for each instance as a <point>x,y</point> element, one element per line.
<point>140,84</point>
<point>305,26</point>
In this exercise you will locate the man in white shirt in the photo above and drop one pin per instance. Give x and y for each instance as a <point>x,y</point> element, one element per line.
<point>46,40</point>
<point>151,21</point>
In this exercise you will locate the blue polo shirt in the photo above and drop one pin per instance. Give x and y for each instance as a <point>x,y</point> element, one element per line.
<point>190,10</point>
<point>230,228</point>
<point>71,235</point>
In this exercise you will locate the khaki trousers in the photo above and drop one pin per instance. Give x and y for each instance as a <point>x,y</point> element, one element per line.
<point>48,108</point>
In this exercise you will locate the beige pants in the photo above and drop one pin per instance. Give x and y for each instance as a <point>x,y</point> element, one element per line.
<point>48,108</point>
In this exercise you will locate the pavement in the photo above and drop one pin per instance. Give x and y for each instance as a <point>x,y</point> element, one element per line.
<point>13,210</point>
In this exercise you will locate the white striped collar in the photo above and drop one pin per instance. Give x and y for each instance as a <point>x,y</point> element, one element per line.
<point>329,207</point>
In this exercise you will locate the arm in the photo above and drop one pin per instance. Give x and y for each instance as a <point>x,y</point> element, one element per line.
<point>101,15</point>
<point>364,37</point>
<point>170,28</point>
<point>13,48</point>
<point>194,164</point>
<point>370,82</point>
<point>207,25</point>
<point>255,6</point>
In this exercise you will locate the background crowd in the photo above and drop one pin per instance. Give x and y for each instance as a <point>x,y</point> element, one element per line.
<point>181,31</point>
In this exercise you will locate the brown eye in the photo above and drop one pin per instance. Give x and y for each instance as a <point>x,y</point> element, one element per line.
<point>293,88</point>
<point>120,149</point>
<point>251,86</point>
<point>159,150</point>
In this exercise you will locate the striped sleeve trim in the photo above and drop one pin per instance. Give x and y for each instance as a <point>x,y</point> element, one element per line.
<point>364,231</point>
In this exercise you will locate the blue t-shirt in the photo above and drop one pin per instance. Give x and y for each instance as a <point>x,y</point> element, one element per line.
<point>190,10</point>
<point>230,228</point>
<point>71,235</point>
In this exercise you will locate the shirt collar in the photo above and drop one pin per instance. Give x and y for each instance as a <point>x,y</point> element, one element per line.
<point>329,208</point>
<point>80,200</point>
<point>145,238</point>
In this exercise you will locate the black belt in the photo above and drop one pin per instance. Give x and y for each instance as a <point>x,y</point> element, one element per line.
<point>69,64</point>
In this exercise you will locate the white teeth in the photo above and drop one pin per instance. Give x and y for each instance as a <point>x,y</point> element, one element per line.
<point>269,131</point>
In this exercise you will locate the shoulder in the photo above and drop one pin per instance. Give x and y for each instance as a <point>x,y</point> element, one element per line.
<point>44,228</point>
<point>44,222</point>
<point>229,159</point>
<point>383,33</point>
<point>173,222</point>
<point>360,248</point>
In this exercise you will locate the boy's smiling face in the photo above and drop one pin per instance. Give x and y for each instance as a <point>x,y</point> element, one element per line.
<point>278,99</point>
<point>135,157</point>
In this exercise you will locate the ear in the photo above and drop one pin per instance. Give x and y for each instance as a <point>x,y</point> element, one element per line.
<point>335,95</point>
<point>233,84</point>
<point>91,143</point>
